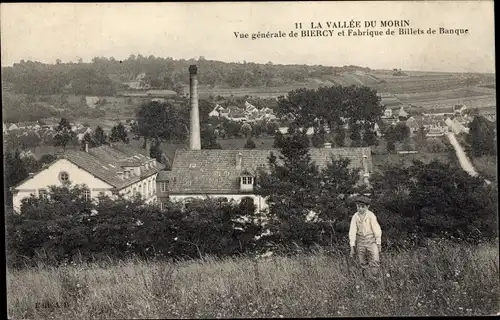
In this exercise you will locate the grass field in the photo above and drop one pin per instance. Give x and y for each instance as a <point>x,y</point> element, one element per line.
<point>441,279</point>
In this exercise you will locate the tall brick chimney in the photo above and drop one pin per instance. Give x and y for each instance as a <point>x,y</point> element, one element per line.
<point>194,132</point>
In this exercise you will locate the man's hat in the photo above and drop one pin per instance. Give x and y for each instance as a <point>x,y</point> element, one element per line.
<point>362,199</point>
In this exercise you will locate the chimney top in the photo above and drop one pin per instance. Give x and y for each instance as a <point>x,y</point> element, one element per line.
<point>193,69</point>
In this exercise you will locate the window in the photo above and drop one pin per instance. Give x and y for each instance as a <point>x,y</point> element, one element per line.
<point>246,180</point>
<point>163,186</point>
<point>42,193</point>
<point>86,194</point>
<point>64,177</point>
<point>154,186</point>
<point>150,188</point>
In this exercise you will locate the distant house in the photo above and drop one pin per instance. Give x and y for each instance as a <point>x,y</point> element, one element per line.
<point>27,154</point>
<point>91,101</point>
<point>238,116</point>
<point>387,114</point>
<point>437,129</point>
<point>158,100</point>
<point>215,112</point>
<point>161,93</point>
<point>413,125</point>
<point>402,114</point>
<point>249,107</point>
<point>80,133</point>
<point>455,126</point>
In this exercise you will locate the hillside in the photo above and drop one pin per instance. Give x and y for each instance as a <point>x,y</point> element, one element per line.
<point>34,90</point>
<point>104,77</point>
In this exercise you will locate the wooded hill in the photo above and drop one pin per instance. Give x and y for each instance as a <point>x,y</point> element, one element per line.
<point>104,76</point>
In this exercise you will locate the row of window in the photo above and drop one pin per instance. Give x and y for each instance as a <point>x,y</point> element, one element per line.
<point>146,189</point>
<point>86,193</point>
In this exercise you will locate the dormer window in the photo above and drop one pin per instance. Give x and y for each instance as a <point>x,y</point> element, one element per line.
<point>246,183</point>
<point>247,180</point>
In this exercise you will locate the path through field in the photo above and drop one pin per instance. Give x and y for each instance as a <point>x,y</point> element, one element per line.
<point>462,157</point>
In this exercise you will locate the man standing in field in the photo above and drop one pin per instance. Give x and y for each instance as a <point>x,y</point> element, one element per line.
<point>365,235</point>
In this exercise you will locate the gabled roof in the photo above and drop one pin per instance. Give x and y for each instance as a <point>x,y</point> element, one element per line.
<point>215,171</point>
<point>105,162</point>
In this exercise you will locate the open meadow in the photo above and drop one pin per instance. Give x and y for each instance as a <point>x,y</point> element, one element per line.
<point>440,279</point>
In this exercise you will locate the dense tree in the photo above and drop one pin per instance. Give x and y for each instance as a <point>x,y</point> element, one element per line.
<point>435,198</point>
<point>396,133</point>
<point>88,141</point>
<point>271,127</point>
<point>355,134</point>
<point>100,137</point>
<point>64,135</point>
<point>257,130</point>
<point>250,144</point>
<point>156,151</point>
<point>318,138</point>
<point>119,134</point>
<point>246,129</point>
<point>369,137</point>
<point>160,122</point>
<point>331,105</point>
<point>482,137</point>
<point>209,139</point>
<point>291,179</point>
<point>339,136</point>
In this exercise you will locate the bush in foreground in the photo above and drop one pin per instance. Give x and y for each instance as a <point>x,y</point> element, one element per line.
<point>444,279</point>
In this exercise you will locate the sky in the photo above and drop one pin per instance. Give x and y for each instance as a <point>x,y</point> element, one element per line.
<point>48,31</point>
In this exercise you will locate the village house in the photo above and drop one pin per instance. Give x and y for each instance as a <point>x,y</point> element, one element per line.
<point>402,114</point>
<point>105,170</point>
<point>458,109</point>
<point>455,126</point>
<point>387,114</point>
<point>80,133</point>
<point>412,123</point>
<point>437,128</point>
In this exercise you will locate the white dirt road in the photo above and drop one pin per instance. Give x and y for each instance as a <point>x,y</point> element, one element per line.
<point>465,163</point>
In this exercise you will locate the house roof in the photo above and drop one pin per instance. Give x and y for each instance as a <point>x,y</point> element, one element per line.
<point>104,162</point>
<point>213,171</point>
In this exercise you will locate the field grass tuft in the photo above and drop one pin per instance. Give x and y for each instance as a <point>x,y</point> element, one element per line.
<point>442,279</point>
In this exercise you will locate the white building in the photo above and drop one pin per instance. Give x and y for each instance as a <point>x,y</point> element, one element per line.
<point>103,170</point>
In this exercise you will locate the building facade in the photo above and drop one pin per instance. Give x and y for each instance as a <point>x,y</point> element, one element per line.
<point>105,170</point>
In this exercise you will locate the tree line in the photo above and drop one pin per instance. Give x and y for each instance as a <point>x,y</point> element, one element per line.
<point>413,204</point>
<point>104,76</point>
